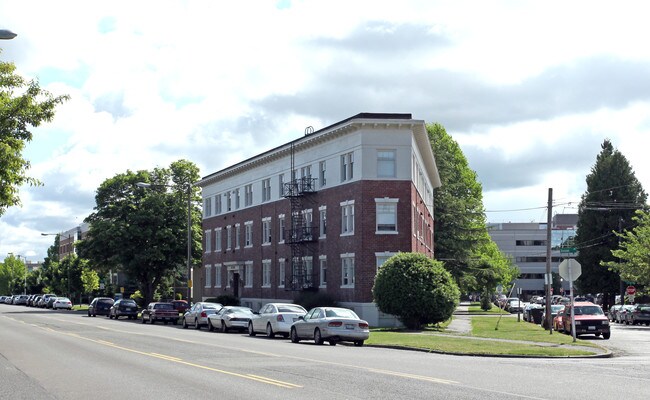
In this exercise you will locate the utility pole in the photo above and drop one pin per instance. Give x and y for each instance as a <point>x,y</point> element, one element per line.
<point>548,277</point>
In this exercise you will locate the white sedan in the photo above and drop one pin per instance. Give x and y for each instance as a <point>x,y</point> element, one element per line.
<point>275,318</point>
<point>330,324</point>
<point>229,318</point>
<point>62,302</point>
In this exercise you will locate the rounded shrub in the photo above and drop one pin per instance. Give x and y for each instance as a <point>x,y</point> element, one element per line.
<point>416,289</point>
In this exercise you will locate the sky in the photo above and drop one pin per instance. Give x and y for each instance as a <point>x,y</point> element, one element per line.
<point>528,89</point>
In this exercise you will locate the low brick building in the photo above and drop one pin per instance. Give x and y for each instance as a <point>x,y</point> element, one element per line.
<point>321,213</point>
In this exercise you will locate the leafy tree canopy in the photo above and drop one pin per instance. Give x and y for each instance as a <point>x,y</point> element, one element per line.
<point>23,105</point>
<point>143,231</point>
<point>613,194</point>
<point>632,257</point>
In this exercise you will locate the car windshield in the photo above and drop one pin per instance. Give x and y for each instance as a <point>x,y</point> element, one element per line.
<point>210,306</point>
<point>163,306</point>
<point>296,309</point>
<point>644,308</point>
<point>556,308</point>
<point>242,310</point>
<point>128,302</point>
<point>341,313</point>
<point>105,301</point>
<point>62,299</point>
<point>588,310</point>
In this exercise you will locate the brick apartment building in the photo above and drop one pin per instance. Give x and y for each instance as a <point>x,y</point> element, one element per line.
<point>320,213</point>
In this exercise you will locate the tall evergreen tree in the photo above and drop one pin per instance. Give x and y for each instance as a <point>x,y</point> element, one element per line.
<point>608,206</point>
<point>461,238</point>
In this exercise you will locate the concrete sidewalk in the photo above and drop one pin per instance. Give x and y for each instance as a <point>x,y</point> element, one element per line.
<point>461,322</point>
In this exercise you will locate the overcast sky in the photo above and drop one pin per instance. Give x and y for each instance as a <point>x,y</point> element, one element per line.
<point>528,89</point>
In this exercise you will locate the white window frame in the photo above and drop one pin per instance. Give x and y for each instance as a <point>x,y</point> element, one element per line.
<point>248,195</point>
<point>347,270</point>
<point>322,169</point>
<point>229,237</point>
<point>281,226</point>
<point>237,199</point>
<point>217,275</point>
<point>248,233</point>
<point>322,266</point>
<point>208,276</point>
<point>382,206</point>
<point>228,196</point>
<point>347,218</point>
<point>281,185</point>
<point>207,207</point>
<point>237,235</point>
<point>282,272</point>
<point>266,273</point>
<point>309,269</point>
<point>386,163</point>
<point>208,241</point>
<point>266,190</point>
<point>248,274</point>
<point>217,239</point>
<point>322,222</point>
<point>217,204</point>
<point>266,231</point>
<point>381,257</point>
<point>347,167</point>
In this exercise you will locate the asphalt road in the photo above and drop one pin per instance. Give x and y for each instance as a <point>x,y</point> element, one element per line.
<point>48,354</point>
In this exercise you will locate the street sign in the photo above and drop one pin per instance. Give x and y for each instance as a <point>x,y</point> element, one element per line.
<point>631,290</point>
<point>572,266</point>
<point>568,250</point>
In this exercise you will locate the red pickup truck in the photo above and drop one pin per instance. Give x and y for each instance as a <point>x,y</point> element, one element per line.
<point>157,311</point>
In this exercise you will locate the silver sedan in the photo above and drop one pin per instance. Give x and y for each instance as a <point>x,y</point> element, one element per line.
<point>331,324</point>
<point>229,318</point>
<point>198,314</point>
<point>275,318</point>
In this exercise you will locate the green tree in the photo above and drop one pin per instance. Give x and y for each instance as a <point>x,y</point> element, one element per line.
<point>89,280</point>
<point>23,105</point>
<point>416,289</point>
<point>12,275</point>
<point>143,231</point>
<point>462,241</point>
<point>632,259</point>
<point>613,194</point>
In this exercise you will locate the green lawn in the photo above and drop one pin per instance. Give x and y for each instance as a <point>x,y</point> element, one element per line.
<point>475,308</point>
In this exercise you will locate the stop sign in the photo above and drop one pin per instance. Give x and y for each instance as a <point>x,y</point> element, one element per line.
<point>630,290</point>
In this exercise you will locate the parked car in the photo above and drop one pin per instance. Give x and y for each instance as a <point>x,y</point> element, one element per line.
<point>9,299</point>
<point>555,308</point>
<point>123,308</point>
<point>181,306</point>
<point>330,324</point>
<point>639,314</point>
<point>100,306</point>
<point>621,313</point>
<point>527,314</point>
<point>612,312</point>
<point>50,301</point>
<point>589,319</point>
<point>21,299</point>
<point>44,299</point>
<point>197,316</point>
<point>2,299</point>
<point>229,318</point>
<point>158,311</point>
<point>275,318</point>
<point>61,302</point>
<point>515,306</point>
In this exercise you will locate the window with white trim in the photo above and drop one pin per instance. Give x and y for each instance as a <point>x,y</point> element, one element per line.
<point>208,240</point>
<point>217,204</point>
<point>322,221</point>
<point>309,270</point>
<point>347,218</point>
<point>207,207</point>
<point>281,227</point>
<point>237,235</point>
<point>347,270</point>
<point>248,195</point>
<point>281,185</point>
<point>248,274</point>
<point>208,276</point>
<point>386,216</point>
<point>381,258</point>
<point>228,196</point>
<point>322,260</point>
<point>217,239</point>
<point>386,163</point>
<point>217,275</point>
<point>248,234</point>
<point>282,270</point>
<point>305,172</point>
<point>228,237</point>
<point>266,189</point>
<point>347,167</point>
<point>322,168</point>
<point>237,197</point>
<point>266,231</point>
<point>266,273</point>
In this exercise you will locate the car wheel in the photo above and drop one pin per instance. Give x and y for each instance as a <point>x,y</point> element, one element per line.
<point>318,338</point>
<point>143,320</point>
<point>294,336</point>
<point>251,331</point>
<point>196,324</point>
<point>224,328</point>
<point>89,313</point>
<point>358,343</point>
<point>184,323</point>
<point>606,335</point>
<point>269,331</point>
<point>152,321</point>
<point>647,324</point>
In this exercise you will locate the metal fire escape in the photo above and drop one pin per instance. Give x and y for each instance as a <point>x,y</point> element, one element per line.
<point>302,234</point>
